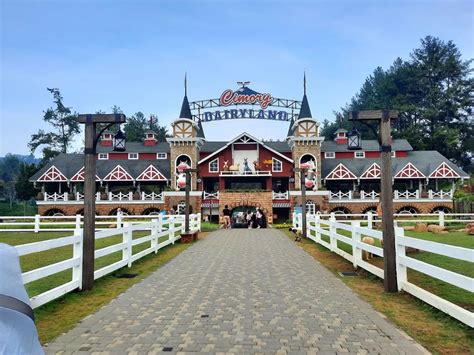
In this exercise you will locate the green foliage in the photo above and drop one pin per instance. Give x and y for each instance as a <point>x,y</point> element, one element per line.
<point>64,126</point>
<point>25,189</point>
<point>138,124</point>
<point>433,92</point>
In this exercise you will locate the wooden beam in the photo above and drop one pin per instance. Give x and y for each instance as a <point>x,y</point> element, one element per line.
<point>101,118</point>
<point>371,115</point>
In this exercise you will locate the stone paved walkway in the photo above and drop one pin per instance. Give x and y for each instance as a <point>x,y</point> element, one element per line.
<point>238,291</point>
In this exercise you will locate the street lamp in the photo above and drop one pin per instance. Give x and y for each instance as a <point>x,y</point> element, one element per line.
<point>184,168</point>
<point>353,139</point>
<point>382,119</point>
<point>90,151</point>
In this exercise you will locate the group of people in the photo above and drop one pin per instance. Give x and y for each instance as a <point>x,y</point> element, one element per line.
<point>251,219</point>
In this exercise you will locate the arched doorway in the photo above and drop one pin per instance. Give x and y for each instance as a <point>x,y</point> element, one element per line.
<point>239,217</point>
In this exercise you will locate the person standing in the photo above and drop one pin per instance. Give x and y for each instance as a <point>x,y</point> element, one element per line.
<point>259,216</point>
<point>226,213</point>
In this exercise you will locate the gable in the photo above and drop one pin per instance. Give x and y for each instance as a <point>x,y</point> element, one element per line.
<point>52,174</point>
<point>118,174</point>
<point>340,172</point>
<point>79,176</point>
<point>372,172</point>
<point>409,171</point>
<point>151,174</point>
<point>444,171</point>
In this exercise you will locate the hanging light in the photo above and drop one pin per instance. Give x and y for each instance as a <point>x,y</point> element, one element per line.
<point>353,139</point>
<point>119,141</point>
<point>182,166</point>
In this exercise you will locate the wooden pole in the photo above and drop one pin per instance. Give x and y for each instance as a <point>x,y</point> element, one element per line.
<point>89,207</point>
<point>186,213</point>
<point>303,201</point>
<point>386,199</point>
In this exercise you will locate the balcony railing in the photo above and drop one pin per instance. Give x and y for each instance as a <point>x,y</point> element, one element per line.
<point>56,196</point>
<point>246,173</point>
<point>152,196</point>
<point>280,195</point>
<point>397,195</point>
<point>211,195</point>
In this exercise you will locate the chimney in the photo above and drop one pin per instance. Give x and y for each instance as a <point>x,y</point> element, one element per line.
<point>107,139</point>
<point>340,136</point>
<point>150,138</point>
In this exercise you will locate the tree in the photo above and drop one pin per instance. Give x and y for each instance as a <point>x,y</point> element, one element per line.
<point>433,92</point>
<point>64,125</point>
<point>9,167</point>
<point>137,125</point>
<point>25,189</point>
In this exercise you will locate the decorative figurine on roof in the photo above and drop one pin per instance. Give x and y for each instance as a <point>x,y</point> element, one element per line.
<point>256,165</point>
<point>247,169</point>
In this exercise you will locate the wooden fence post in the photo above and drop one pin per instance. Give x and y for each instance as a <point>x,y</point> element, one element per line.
<point>78,221</point>
<point>332,232</point>
<point>370,220</point>
<point>154,234</point>
<point>441,218</point>
<point>400,252</point>
<point>199,221</point>
<point>317,227</point>
<point>77,253</point>
<point>119,220</point>
<point>127,239</point>
<point>171,228</point>
<point>37,223</point>
<point>356,251</point>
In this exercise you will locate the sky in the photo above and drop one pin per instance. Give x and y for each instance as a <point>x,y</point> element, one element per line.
<point>134,54</point>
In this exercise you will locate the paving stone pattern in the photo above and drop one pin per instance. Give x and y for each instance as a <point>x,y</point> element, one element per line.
<point>238,291</point>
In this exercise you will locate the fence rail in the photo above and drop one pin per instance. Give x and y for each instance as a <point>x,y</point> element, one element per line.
<point>331,228</point>
<point>164,228</point>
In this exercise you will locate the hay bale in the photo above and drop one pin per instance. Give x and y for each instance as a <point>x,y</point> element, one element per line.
<point>470,229</point>
<point>113,226</point>
<point>409,228</point>
<point>420,227</point>
<point>436,229</point>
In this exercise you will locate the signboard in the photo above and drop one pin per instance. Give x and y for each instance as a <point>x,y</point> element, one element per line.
<point>259,102</point>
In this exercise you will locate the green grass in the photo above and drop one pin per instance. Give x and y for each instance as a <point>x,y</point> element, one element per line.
<point>62,314</point>
<point>440,288</point>
<point>209,227</point>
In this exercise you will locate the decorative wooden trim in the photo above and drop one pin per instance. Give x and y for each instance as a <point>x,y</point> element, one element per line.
<point>79,176</point>
<point>341,172</point>
<point>151,173</point>
<point>409,171</point>
<point>52,174</point>
<point>372,172</point>
<point>118,174</point>
<point>444,171</point>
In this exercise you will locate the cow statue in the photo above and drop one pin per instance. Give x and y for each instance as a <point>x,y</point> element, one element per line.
<point>226,166</point>
<point>180,181</point>
<point>247,169</point>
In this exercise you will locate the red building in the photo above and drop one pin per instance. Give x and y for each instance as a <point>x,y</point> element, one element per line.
<point>246,172</point>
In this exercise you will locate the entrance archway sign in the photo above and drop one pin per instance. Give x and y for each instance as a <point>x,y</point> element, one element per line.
<point>259,104</point>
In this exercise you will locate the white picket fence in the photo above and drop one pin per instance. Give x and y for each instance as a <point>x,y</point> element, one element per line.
<point>318,227</point>
<point>169,227</point>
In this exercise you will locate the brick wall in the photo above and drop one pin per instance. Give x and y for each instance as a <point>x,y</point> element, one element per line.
<point>302,148</point>
<point>261,200</point>
<point>189,150</point>
<point>421,207</point>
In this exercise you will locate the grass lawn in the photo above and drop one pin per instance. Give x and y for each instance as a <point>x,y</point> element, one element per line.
<point>62,314</point>
<point>432,328</point>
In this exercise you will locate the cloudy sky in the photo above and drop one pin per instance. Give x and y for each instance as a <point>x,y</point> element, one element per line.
<point>134,54</point>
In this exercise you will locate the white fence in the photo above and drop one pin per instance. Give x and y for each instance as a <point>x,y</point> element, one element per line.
<point>397,195</point>
<point>353,233</point>
<point>164,230</point>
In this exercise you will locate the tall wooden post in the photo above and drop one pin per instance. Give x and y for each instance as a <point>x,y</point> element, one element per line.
<point>89,207</point>
<point>382,118</point>
<point>386,200</point>
<point>303,202</point>
<point>91,138</point>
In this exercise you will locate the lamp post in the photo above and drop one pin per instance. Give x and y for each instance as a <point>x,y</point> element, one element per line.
<point>184,168</point>
<point>90,151</point>
<point>382,119</point>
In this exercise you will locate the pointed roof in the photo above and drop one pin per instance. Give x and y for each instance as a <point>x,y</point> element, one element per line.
<point>185,109</point>
<point>290,128</point>
<point>305,111</point>
<point>200,130</point>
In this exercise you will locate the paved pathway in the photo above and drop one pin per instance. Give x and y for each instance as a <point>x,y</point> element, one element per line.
<point>238,291</point>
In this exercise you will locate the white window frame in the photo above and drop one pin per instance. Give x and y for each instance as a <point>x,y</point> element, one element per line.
<point>130,156</point>
<point>103,156</point>
<point>329,155</point>
<point>394,154</point>
<point>209,166</point>
<point>361,153</point>
<point>161,156</point>
<point>281,165</point>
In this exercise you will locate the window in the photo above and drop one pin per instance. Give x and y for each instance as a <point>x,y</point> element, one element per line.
<point>161,155</point>
<point>214,166</point>
<point>277,166</point>
<point>329,155</point>
<point>359,154</point>
<point>394,154</point>
<point>103,156</point>
<point>133,156</point>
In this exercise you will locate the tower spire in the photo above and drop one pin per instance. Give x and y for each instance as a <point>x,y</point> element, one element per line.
<point>185,84</point>
<point>304,82</point>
